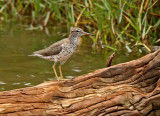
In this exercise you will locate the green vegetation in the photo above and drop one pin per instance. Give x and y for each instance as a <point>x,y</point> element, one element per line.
<point>114,22</point>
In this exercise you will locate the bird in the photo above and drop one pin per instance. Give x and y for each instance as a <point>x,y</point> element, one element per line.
<point>61,50</point>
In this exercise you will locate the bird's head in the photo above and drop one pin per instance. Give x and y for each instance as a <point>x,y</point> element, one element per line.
<point>77,32</point>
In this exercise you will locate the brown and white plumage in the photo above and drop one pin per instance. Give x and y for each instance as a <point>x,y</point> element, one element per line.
<point>61,50</point>
<point>52,50</point>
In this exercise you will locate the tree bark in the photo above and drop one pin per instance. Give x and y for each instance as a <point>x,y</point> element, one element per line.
<point>129,89</point>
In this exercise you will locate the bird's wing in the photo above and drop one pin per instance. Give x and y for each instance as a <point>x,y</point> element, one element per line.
<point>52,49</point>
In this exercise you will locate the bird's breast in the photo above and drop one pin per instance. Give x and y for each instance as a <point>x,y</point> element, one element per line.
<point>68,50</point>
<point>74,41</point>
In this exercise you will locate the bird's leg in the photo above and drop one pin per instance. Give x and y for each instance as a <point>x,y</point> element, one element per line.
<point>60,70</point>
<point>55,71</point>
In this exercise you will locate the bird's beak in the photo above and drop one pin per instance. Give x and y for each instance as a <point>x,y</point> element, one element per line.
<point>85,33</point>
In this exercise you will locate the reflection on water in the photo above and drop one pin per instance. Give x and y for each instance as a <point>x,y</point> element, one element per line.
<point>18,70</point>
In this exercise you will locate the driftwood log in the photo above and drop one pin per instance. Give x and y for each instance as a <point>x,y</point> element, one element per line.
<point>128,89</point>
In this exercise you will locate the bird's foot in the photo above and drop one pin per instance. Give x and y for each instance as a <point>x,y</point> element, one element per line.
<point>61,79</point>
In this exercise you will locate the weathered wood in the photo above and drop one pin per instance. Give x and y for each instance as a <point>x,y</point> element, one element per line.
<point>129,89</point>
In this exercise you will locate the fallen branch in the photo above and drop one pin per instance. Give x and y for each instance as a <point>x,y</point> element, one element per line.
<point>131,88</point>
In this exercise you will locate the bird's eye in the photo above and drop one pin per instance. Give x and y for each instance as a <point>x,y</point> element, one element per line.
<point>77,30</point>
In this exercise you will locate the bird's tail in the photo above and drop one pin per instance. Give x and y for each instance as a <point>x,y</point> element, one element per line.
<point>41,56</point>
<point>35,54</point>
<point>32,55</point>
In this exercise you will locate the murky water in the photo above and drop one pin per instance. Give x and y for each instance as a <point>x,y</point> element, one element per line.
<point>18,70</point>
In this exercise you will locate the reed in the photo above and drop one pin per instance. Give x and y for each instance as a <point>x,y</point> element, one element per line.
<point>114,22</point>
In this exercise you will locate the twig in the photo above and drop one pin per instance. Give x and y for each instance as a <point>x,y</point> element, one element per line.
<point>109,61</point>
<point>14,8</point>
<point>78,18</point>
<point>153,4</point>
<point>146,4</point>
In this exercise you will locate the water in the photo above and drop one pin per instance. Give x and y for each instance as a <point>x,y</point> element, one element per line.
<point>18,70</point>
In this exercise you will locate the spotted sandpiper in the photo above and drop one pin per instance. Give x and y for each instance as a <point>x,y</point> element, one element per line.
<point>62,50</point>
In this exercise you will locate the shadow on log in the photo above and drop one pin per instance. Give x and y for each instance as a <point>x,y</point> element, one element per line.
<point>128,89</point>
